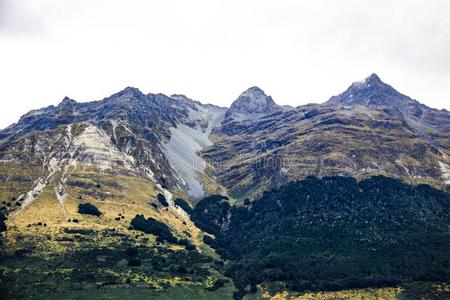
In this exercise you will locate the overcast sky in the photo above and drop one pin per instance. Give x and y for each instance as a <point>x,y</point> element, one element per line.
<point>297,51</point>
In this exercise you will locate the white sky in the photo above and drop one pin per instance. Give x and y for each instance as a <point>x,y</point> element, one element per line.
<point>212,50</point>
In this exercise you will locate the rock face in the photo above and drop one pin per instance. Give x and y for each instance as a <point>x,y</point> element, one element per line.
<point>251,105</point>
<point>372,92</point>
<point>128,133</point>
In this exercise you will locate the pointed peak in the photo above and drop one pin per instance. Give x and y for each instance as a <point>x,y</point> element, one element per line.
<point>373,78</point>
<point>67,101</point>
<point>369,92</point>
<point>129,91</point>
<point>251,104</point>
<point>253,91</point>
<point>254,95</point>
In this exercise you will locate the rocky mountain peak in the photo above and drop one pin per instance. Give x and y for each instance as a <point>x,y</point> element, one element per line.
<point>371,91</point>
<point>251,104</point>
<point>67,102</point>
<point>129,92</point>
<point>373,79</point>
<point>254,100</point>
<point>180,97</point>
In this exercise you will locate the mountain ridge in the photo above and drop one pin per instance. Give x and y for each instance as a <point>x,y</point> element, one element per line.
<point>342,99</point>
<point>153,119</point>
<point>146,126</point>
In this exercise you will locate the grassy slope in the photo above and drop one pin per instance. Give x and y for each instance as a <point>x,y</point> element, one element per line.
<point>418,290</point>
<point>68,260</point>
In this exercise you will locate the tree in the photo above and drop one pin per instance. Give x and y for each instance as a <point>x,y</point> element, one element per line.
<point>88,209</point>
<point>162,199</point>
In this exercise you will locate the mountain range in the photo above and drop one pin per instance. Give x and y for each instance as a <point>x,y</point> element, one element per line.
<point>134,154</point>
<point>192,149</point>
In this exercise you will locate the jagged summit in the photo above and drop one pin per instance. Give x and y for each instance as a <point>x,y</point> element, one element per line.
<point>253,91</point>
<point>371,91</point>
<point>130,89</point>
<point>129,92</point>
<point>255,98</point>
<point>372,79</point>
<point>252,104</point>
<point>67,102</point>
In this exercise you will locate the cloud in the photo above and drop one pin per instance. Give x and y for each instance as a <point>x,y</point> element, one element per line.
<point>17,20</point>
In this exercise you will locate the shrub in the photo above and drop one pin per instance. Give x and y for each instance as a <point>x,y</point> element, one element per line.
<point>132,251</point>
<point>190,247</point>
<point>2,222</point>
<point>21,252</point>
<point>184,205</point>
<point>153,226</point>
<point>210,241</point>
<point>183,242</point>
<point>134,262</point>
<point>162,199</point>
<point>217,284</point>
<point>88,209</point>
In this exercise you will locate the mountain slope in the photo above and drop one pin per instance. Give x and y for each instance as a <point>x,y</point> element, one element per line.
<point>90,192</point>
<point>372,92</point>
<point>192,149</point>
<point>109,155</point>
<point>368,130</point>
<point>332,234</point>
